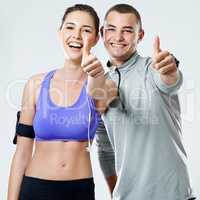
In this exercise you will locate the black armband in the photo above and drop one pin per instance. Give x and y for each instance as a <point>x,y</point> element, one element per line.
<point>23,130</point>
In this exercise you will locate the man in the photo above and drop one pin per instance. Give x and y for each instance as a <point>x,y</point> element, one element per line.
<point>143,124</point>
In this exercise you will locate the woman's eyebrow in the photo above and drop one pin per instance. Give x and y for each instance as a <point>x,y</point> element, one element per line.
<point>87,26</point>
<point>69,23</point>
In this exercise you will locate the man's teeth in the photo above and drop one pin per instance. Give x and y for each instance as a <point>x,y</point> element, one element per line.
<point>117,45</point>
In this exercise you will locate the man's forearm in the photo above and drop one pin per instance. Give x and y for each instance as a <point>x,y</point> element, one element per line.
<point>170,79</point>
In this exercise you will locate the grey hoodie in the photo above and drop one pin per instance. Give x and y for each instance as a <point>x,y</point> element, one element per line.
<point>142,142</point>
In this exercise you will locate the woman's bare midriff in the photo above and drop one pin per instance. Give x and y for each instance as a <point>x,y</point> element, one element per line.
<point>58,160</point>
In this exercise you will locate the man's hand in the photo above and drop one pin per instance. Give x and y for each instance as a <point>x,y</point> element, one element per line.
<point>91,65</point>
<point>164,63</point>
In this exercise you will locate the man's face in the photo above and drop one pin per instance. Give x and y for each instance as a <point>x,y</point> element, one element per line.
<point>121,33</point>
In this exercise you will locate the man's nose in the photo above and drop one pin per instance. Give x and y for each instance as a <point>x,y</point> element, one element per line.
<point>119,35</point>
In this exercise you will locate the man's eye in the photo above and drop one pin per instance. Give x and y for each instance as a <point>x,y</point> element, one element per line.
<point>128,31</point>
<point>110,29</point>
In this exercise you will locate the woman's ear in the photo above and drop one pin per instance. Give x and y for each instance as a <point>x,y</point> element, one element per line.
<point>101,31</point>
<point>96,40</point>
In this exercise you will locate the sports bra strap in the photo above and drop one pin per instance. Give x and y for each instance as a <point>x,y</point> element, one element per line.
<point>47,79</point>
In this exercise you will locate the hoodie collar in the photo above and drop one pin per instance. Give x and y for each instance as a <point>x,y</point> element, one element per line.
<point>125,65</point>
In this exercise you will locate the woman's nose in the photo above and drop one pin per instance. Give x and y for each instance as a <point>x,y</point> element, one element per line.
<point>77,34</point>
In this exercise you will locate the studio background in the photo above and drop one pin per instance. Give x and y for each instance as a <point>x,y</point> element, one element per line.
<point>29,45</point>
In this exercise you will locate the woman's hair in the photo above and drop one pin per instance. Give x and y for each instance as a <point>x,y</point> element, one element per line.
<point>85,8</point>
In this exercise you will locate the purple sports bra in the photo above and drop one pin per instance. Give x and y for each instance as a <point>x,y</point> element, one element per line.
<point>76,122</point>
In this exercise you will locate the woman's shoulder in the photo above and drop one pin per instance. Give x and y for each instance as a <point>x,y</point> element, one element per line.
<point>37,77</point>
<point>33,85</point>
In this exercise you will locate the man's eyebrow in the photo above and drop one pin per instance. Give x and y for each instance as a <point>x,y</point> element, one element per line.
<point>128,27</point>
<point>110,25</point>
<point>124,27</point>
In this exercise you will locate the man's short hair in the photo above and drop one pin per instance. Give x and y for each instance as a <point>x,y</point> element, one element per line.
<point>125,8</point>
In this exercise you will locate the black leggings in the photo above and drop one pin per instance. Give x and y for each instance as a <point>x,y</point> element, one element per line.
<point>40,189</point>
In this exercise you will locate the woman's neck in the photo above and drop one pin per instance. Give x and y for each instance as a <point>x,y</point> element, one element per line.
<point>71,65</point>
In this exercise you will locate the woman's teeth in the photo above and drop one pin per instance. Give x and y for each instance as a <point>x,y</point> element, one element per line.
<point>75,45</point>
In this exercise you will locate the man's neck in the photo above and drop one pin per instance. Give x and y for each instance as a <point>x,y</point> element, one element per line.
<point>119,62</point>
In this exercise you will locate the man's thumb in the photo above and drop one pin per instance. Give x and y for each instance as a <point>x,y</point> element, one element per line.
<point>156,45</point>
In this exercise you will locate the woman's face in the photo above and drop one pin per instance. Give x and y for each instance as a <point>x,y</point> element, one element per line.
<point>78,26</point>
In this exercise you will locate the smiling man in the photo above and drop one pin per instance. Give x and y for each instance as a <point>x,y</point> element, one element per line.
<point>141,154</point>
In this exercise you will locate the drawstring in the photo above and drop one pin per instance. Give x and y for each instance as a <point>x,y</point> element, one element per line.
<point>118,87</point>
<point>119,80</point>
<point>109,64</point>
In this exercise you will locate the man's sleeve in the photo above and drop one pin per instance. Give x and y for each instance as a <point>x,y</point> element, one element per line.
<point>106,154</point>
<point>167,89</point>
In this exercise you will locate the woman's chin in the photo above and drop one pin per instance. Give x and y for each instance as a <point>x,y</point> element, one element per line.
<point>73,58</point>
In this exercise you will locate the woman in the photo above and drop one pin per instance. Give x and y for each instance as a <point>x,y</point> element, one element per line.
<point>59,111</point>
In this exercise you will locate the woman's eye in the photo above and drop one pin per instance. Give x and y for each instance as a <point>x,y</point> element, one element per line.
<point>69,27</point>
<point>87,31</point>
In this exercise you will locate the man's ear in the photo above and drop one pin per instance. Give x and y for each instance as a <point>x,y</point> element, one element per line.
<point>101,31</point>
<point>140,35</point>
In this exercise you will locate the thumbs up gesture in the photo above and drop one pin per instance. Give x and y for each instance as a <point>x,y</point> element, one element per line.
<point>90,64</point>
<point>163,61</point>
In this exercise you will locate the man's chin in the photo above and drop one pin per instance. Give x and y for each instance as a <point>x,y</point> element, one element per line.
<point>118,57</point>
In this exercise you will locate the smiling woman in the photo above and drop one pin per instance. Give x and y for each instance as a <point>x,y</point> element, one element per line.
<point>77,24</point>
<point>60,115</point>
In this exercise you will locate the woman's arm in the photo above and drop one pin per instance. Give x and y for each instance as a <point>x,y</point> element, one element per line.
<point>103,91</point>
<point>104,94</point>
<point>24,147</point>
<point>19,164</point>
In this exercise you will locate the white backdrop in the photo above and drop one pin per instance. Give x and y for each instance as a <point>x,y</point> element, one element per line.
<point>29,45</point>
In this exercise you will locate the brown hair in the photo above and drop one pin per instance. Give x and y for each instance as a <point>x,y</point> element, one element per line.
<point>125,8</point>
<point>85,8</point>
